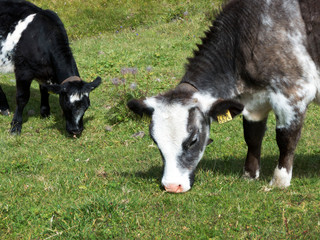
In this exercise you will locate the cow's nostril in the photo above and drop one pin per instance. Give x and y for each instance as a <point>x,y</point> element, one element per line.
<point>174,188</point>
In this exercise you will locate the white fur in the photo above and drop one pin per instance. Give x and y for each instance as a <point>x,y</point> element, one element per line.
<point>8,45</point>
<point>281,178</point>
<point>74,98</point>
<point>205,101</point>
<point>247,174</point>
<point>309,84</point>
<point>283,109</point>
<point>256,107</point>
<point>77,97</point>
<point>257,174</point>
<point>169,131</point>
<point>78,117</point>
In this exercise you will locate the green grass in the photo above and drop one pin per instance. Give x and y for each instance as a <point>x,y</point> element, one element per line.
<point>106,184</point>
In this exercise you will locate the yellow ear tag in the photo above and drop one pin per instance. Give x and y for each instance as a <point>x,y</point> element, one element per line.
<point>146,118</point>
<point>224,117</point>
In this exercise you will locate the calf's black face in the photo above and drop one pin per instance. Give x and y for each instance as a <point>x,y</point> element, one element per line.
<point>74,101</point>
<point>181,131</point>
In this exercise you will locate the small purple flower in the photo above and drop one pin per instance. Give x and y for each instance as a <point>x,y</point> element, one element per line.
<point>115,81</point>
<point>149,69</point>
<point>186,13</point>
<point>158,80</point>
<point>134,71</point>
<point>133,86</point>
<point>123,80</point>
<point>124,71</point>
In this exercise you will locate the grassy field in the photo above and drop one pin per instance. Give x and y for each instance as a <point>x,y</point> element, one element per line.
<point>106,184</point>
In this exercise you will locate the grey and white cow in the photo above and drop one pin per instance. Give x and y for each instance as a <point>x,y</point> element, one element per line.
<point>258,56</point>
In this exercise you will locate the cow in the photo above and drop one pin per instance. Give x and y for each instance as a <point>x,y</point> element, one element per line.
<point>258,56</point>
<point>34,45</point>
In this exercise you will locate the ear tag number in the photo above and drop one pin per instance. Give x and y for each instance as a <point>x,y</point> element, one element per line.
<point>146,118</point>
<point>224,117</point>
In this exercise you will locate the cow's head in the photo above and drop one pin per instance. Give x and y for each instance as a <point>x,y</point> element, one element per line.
<point>74,101</point>
<point>180,126</point>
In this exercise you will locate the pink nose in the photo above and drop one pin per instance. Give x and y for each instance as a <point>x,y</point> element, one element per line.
<point>174,188</point>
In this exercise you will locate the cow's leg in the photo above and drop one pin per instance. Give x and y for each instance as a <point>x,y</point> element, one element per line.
<point>253,134</point>
<point>44,105</point>
<point>22,98</point>
<point>4,106</point>
<point>289,124</point>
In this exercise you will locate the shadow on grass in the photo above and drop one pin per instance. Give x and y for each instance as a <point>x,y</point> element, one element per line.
<point>155,172</point>
<point>304,166</point>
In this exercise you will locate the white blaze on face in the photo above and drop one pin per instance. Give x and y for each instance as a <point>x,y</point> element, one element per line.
<point>169,131</point>
<point>75,98</point>
<point>8,45</point>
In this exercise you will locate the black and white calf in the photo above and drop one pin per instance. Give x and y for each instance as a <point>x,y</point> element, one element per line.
<point>259,55</point>
<point>34,45</point>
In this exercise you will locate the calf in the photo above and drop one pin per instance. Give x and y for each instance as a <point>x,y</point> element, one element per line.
<point>34,45</point>
<point>259,55</point>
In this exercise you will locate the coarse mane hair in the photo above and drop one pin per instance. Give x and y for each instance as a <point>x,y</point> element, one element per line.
<point>219,55</point>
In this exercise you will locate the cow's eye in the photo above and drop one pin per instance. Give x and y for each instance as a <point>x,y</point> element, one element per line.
<point>194,140</point>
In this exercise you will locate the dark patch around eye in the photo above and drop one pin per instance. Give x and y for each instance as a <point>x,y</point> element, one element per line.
<point>192,129</point>
<point>192,147</point>
<point>193,138</point>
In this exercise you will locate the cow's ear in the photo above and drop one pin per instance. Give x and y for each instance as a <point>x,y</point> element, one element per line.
<point>88,87</point>
<point>54,88</point>
<point>139,107</point>
<point>225,109</point>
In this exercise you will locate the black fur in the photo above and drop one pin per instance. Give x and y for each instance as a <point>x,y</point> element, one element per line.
<point>42,53</point>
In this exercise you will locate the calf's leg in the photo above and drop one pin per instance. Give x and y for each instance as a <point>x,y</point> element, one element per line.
<point>4,106</point>
<point>253,134</point>
<point>22,98</point>
<point>287,140</point>
<point>289,124</point>
<point>44,105</point>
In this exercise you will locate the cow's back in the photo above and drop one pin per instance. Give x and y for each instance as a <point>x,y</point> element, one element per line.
<point>310,10</point>
<point>11,12</point>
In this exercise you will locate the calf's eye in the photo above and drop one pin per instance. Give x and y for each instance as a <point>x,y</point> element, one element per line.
<point>194,141</point>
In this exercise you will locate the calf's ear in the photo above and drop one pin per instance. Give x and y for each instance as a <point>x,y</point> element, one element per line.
<point>221,107</point>
<point>139,107</point>
<point>88,87</point>
<point>54,88</point>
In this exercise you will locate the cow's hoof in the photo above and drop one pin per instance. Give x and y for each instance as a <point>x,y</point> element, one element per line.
<point>5,112</point>
<point>45,115</point>
<point>281,178</point>
<point>15,130</point>
<point>45,112</point>
<point>251,176</point>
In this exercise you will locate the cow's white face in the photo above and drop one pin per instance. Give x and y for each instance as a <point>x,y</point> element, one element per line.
<point>181,133</point>
<point>180,128</point>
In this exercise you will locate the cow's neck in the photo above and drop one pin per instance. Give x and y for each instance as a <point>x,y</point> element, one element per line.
<point>70,74</point>
<point>213,69</point>
<point>65,66</point>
